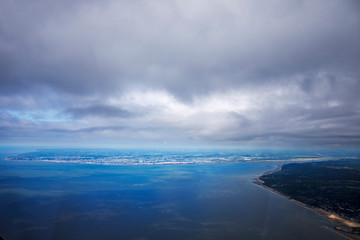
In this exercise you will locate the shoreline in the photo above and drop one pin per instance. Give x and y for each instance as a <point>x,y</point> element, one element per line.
<point>341,224</point>
<point>132,162</point>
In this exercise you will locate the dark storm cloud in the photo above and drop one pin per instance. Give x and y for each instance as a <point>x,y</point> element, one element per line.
<point>186,47</point>
<point>223,71</point>
<point>89,130</point>
<point>329,113</point>
<point>100,111</point>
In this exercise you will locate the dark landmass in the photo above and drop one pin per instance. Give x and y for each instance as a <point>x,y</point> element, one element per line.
<point>333,186</point>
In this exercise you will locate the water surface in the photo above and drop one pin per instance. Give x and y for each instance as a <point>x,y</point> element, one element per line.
<point>40,200</point>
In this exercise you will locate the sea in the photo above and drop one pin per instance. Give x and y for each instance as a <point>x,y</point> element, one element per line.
<point>150,195</point>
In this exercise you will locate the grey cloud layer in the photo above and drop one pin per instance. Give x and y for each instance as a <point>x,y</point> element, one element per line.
<point>153,67</point>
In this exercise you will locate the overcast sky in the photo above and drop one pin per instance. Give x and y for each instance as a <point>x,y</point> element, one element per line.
<point>260,73</point>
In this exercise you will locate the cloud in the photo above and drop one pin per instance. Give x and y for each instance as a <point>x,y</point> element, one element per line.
<point>183,46</point>
<point>103,111</point>
<point>221,72</point>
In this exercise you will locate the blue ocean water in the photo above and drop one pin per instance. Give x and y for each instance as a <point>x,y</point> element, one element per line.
<point>52,200</point>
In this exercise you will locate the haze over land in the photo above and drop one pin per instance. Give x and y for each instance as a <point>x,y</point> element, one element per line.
<point>180,73</point>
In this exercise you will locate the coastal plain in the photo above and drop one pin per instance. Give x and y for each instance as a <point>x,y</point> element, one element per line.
<point>332,188</point>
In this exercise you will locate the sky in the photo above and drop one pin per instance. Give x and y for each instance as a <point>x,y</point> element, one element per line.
<point>132,73</point>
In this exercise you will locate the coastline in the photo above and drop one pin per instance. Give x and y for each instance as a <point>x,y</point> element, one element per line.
<point>342,225</point>
<point>126,162</point>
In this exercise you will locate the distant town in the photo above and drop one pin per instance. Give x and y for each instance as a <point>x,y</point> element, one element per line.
<point>106,157</point>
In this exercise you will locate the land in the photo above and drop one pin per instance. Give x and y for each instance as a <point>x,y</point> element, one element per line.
<point>332,188</point>
<point>159,157</point>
